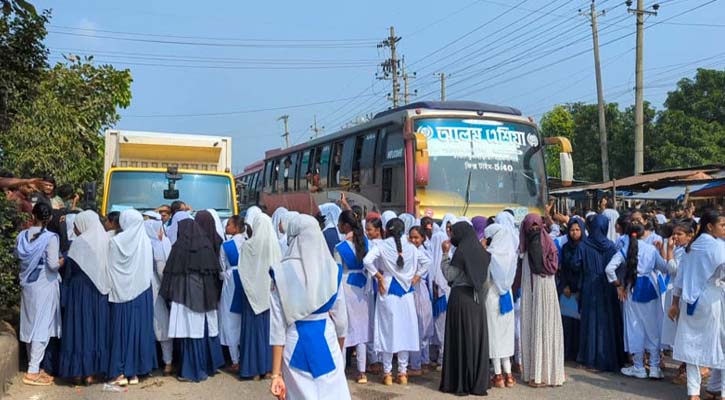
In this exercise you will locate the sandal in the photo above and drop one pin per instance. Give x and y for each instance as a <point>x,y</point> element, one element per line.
<point>388,379</point>
<point>37,380</point>
<point>415,372</point>
<point>119,381</point>
<point>497,381</point>
<point>233,369</point>
<point>402,379</point>
<point>362,379</point>
<point>510,381</point>
<point>535,385</point>
<point>89,381</point>
<point>133,380</point>
<point>169,370</point>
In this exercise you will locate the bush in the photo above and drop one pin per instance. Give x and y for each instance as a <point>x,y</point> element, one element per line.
<point>10,220</point>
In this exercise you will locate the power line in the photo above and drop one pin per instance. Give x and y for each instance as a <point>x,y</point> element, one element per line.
<point>224,67</point>
<point>248,111</point>
<point>211,44</point>
<point>366,41</point>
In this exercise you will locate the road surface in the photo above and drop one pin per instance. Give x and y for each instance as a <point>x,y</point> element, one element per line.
<point>580,385</point>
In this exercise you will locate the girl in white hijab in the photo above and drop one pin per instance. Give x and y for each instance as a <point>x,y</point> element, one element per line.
<point>84,349</point>
<point>217,223</point>
<point>499,302</point>
<point>259,254</point>
<point>161,246</point>
<point>331,212</point>
<point>130,269</point>
<point>308,318</point>
<point>277,217</point>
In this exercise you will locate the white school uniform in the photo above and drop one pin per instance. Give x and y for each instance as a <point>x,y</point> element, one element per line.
<point>357,301</point>
<point>185,323</point>
<point>642,321</point>
<point>699,340</point>
<point>669,327</point>
<point>230,324</point>
<point>40,300</point>
<point>396,315</point>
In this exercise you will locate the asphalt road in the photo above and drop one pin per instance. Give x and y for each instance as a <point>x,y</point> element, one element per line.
<point>580,385</point>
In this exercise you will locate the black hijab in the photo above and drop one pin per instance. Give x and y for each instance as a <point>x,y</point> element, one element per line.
<point>470,256</point>
<point>207,224</point>
<point>191,275</point>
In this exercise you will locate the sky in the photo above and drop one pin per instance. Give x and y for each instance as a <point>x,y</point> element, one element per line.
<point>232,68</point>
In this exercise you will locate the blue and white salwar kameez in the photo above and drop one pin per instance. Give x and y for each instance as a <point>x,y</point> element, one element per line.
<point>197,338</point>
<point>230,323</point>
<point>40,317</point>
<point>642,309</point>
<point>357,290</point>
<point>255,353</point>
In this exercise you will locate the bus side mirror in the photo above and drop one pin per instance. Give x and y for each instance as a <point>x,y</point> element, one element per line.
<point>566,164</point>
<point>422,161</point>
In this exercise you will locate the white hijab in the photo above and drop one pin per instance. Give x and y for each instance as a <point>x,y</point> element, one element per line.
<point>503,257</point>
<point>506,220</point>
<point>217,223</point>
<point>331,212</point>
<point>612,215</point>
<point>258,255</point>
<point>448,219</point>
<point>389,257</point>
<point>276,219</point>
<point>173,230</point>
<point>307,277</point>
<point>706,255</point>
<point>387,216</point>
<point>251,214</point>
<point>436,250</point>
<point>130,261</point>
<point>69,223</point>
<point>408,221</point>
<point>90,249</point>
<point>161,247</point>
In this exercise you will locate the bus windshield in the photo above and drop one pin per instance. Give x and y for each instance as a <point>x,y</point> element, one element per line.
<point>485,161</point>
<point>144,190</point>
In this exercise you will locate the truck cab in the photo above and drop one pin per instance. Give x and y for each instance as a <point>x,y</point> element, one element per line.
<point>144,170</point>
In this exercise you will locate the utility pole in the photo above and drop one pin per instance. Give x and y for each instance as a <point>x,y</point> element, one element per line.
<point>314,128</point>
<point>592,14</point>
<point>284,119</point>
<point>391,65</point>
<point>640,12</point>
<point>406,92</point>
<point>443,85</point>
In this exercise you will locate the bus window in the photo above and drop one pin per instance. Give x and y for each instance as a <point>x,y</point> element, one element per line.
<point>368,159</point>
<point>335,165</point>
<point>394,146</point>
<point>268,176</point>
<point>290,165</point>
<point>275,175</point>
<point>281,174</point>
<point>322,165</point>
<point>346,166</point>
<point>305,173</point>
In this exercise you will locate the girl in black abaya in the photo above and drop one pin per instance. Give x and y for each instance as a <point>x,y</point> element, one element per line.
<point>465,357</point>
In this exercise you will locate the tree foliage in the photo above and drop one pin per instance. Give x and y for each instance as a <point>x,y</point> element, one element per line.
<point>689,132</point>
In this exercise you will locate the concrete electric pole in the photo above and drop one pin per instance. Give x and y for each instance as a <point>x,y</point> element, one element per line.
<point>284,119</point>
<point>391,65</point>
<point>592,14</point>
<point>316,129</point>
<point>639,12</point>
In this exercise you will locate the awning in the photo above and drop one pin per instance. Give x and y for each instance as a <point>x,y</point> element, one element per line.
<point>668,193</point>
<point>712,189</point>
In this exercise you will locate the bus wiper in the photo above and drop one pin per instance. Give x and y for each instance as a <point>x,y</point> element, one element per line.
<point>467,199</point>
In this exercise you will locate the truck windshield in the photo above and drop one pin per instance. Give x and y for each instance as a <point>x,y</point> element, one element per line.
<point>485,161</point>
<point>144,190</point>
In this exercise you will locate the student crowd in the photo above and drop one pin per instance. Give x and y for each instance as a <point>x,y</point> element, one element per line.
<point>292,297</point>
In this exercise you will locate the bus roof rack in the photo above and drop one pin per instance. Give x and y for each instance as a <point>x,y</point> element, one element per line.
<point>460,105</point>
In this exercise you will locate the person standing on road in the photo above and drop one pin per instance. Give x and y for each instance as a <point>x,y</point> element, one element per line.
<point>357,288</point>
<point>423,307</point>
<point>499,302</point>
<point>640,296</point>
<point>193,263</point>
<point>397,266</point>
<point>230,324</point>
<point>601,345</point>
<point>701,278</point>
<point>130,265</point>
<point>258,255</point>
<point>84,348</point>
<point>568,285</point>
<point>308,318</point>
<point>465,358</point>
<point>37,249</point>
<point>542,339</point>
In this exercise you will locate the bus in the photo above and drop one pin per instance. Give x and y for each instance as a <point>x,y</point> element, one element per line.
<point>426,158</point>
<point>247,182</point>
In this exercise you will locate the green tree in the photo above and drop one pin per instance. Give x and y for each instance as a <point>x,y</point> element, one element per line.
<point>59,132</point>
<point>557,122</point>
<point>691,131</point>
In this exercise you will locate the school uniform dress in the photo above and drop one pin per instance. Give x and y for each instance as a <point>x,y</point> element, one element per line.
<point>161,250</point>
<point>643,308</point>
<point>395,312</point>
<point>40,317</point>
<point>669,327</point>
<point>312,362</point>
<point>197,338</point>
<point>230,323</point>
<point>84,349</point>
<point>357,290</point>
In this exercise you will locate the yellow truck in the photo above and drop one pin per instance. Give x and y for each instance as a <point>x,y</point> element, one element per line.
<point>144,170</point>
